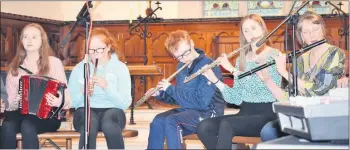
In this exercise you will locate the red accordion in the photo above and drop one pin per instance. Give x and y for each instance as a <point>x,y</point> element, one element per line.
<point>32,89</point>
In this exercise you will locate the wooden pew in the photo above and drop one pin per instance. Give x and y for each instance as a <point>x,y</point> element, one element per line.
<point>67,133</point>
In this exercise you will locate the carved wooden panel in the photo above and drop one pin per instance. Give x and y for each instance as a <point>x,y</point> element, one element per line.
<point>158,47</point>
<point>11,27</point>
<point>198,40</point>
<point>16,33</point>
<point>207,34</point>
<point>3,49</point>
<point>54,41</point>
<point>333,37</point>
<point>118,39</point>
<point>134,47</point>
<point>73,53</point>
<point>225,44</point>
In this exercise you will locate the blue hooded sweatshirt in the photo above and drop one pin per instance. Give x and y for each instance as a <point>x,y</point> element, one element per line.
<point>196,94</point>
<point>118,91</point>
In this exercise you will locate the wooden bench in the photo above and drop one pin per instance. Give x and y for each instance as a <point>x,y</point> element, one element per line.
<point>66,132</point>
<point>69,135</point>
<point>242,141</point>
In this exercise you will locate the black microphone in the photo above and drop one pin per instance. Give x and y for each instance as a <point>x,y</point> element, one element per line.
<point>302,50</point>
<point>83,15</point>
<point>261,41</point>
<point>84,12</point>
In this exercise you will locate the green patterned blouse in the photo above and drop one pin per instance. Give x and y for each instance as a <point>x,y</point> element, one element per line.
<point>322,77</point>
<point>251,88</point>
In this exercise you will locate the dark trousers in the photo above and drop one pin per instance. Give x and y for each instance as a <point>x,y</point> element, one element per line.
<point>217,133</point>
<point>29,126</point>
<point>111,121</point>
<point>271,131</point>
<point>173,125</point>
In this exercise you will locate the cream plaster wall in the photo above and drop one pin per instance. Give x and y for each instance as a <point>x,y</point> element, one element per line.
<point>119,10</point>
<point>116,10</point>
<point>46,9</point>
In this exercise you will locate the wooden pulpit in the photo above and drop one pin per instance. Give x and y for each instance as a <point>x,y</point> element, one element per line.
<point>143,71</point>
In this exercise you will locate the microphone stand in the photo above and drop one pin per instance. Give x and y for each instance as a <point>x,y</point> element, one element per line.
<point>294,21</point>
<point>293,18</point>
<point>84,17</point>
<point>286,46</point>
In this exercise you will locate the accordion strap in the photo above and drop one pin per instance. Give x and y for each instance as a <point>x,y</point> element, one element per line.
<point>26,70</point>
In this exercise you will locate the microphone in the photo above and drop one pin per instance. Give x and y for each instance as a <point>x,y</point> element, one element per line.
<point>84,11</point>
<point>261,41</point>
<point>83,14</point>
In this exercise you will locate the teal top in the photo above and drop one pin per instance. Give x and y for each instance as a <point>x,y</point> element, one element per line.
<point>252,89</point>
<point>117,94</point>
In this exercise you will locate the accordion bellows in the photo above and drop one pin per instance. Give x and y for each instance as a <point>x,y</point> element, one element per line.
<point>32,89</point>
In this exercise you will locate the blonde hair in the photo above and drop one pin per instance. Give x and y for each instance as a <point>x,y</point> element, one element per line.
<point>315,19</point>
<point>44,51</point>
<point>174,39</point>
<point>242,40</point>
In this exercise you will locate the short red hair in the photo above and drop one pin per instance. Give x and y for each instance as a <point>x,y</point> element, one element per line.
<point>175,38</point>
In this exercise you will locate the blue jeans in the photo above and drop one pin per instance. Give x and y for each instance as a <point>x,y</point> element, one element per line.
<point>271,131</point>
<point>173,125</point>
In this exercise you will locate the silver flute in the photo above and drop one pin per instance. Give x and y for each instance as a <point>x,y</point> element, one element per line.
<point>217,62</point>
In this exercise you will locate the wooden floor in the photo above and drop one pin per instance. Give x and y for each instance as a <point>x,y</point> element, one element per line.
<point>142,118</point>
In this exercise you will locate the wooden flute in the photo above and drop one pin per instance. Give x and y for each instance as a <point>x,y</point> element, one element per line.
<point>91,84</point>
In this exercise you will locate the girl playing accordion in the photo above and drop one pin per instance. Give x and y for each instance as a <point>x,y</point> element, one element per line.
<point>32,54</point>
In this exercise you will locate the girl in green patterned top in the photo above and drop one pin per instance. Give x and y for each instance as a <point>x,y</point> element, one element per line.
<point>255,94</point>
<point>318,69</point>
